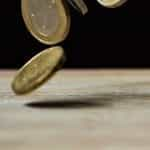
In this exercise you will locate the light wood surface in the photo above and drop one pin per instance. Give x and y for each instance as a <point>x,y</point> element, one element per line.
<point>78,110</point>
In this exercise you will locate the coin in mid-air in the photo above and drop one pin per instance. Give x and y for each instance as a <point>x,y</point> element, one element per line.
<point>79,5</point>
<point>38,70</point>
<point>111,3</point>
<point>47,20</point>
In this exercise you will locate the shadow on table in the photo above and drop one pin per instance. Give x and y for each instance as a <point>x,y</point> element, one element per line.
<point>102,100</point>
<point>68,104</point>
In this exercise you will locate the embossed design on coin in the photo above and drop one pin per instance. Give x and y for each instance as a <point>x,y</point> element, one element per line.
<point>111,3</point>
<point>38,70</point>
<point>47,20</point>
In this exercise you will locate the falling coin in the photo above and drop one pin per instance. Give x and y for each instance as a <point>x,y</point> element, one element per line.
<point>111,3</point>
<point>47,20</point>
<point>38,70</point>
<point>79,5</point>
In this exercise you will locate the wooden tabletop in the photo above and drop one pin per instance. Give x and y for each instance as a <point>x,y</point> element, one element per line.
<point>78,110</point>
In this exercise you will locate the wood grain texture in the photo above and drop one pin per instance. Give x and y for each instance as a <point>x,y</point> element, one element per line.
<point>78,110</point>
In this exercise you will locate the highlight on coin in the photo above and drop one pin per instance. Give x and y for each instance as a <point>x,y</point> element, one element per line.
<point>38,70</point>
<point>79,5</point>
<point>47,20</point>
<point>111,3</point>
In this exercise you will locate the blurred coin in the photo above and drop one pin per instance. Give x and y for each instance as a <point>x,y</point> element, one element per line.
<point>47,20</point>
<point>111,3</point>
<point>79,5</point>
<point>38,70</point>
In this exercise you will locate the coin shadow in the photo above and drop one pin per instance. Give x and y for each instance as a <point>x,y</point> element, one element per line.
<point>99,100</point>
<point>68,104</point>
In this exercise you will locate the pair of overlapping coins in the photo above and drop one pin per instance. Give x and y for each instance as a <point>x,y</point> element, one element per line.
<point>49,22</point>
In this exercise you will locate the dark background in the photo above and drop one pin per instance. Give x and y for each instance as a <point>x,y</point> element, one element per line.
<point>104,38</point>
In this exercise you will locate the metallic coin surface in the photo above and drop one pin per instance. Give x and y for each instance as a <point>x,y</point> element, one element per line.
<point>79,5</point>
<point>111,3</point>
<point>38,70</point>
<point>47,20</point>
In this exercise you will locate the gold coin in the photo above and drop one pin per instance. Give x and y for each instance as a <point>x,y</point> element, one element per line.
<point>47,20</point>
<point>38,70</point>
<point>79,5</point>
<point>111,3</point>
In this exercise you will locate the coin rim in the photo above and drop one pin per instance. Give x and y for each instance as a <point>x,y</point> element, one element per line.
<point>114,4</point>
<point>51,73</point>
<point>59,35</point>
